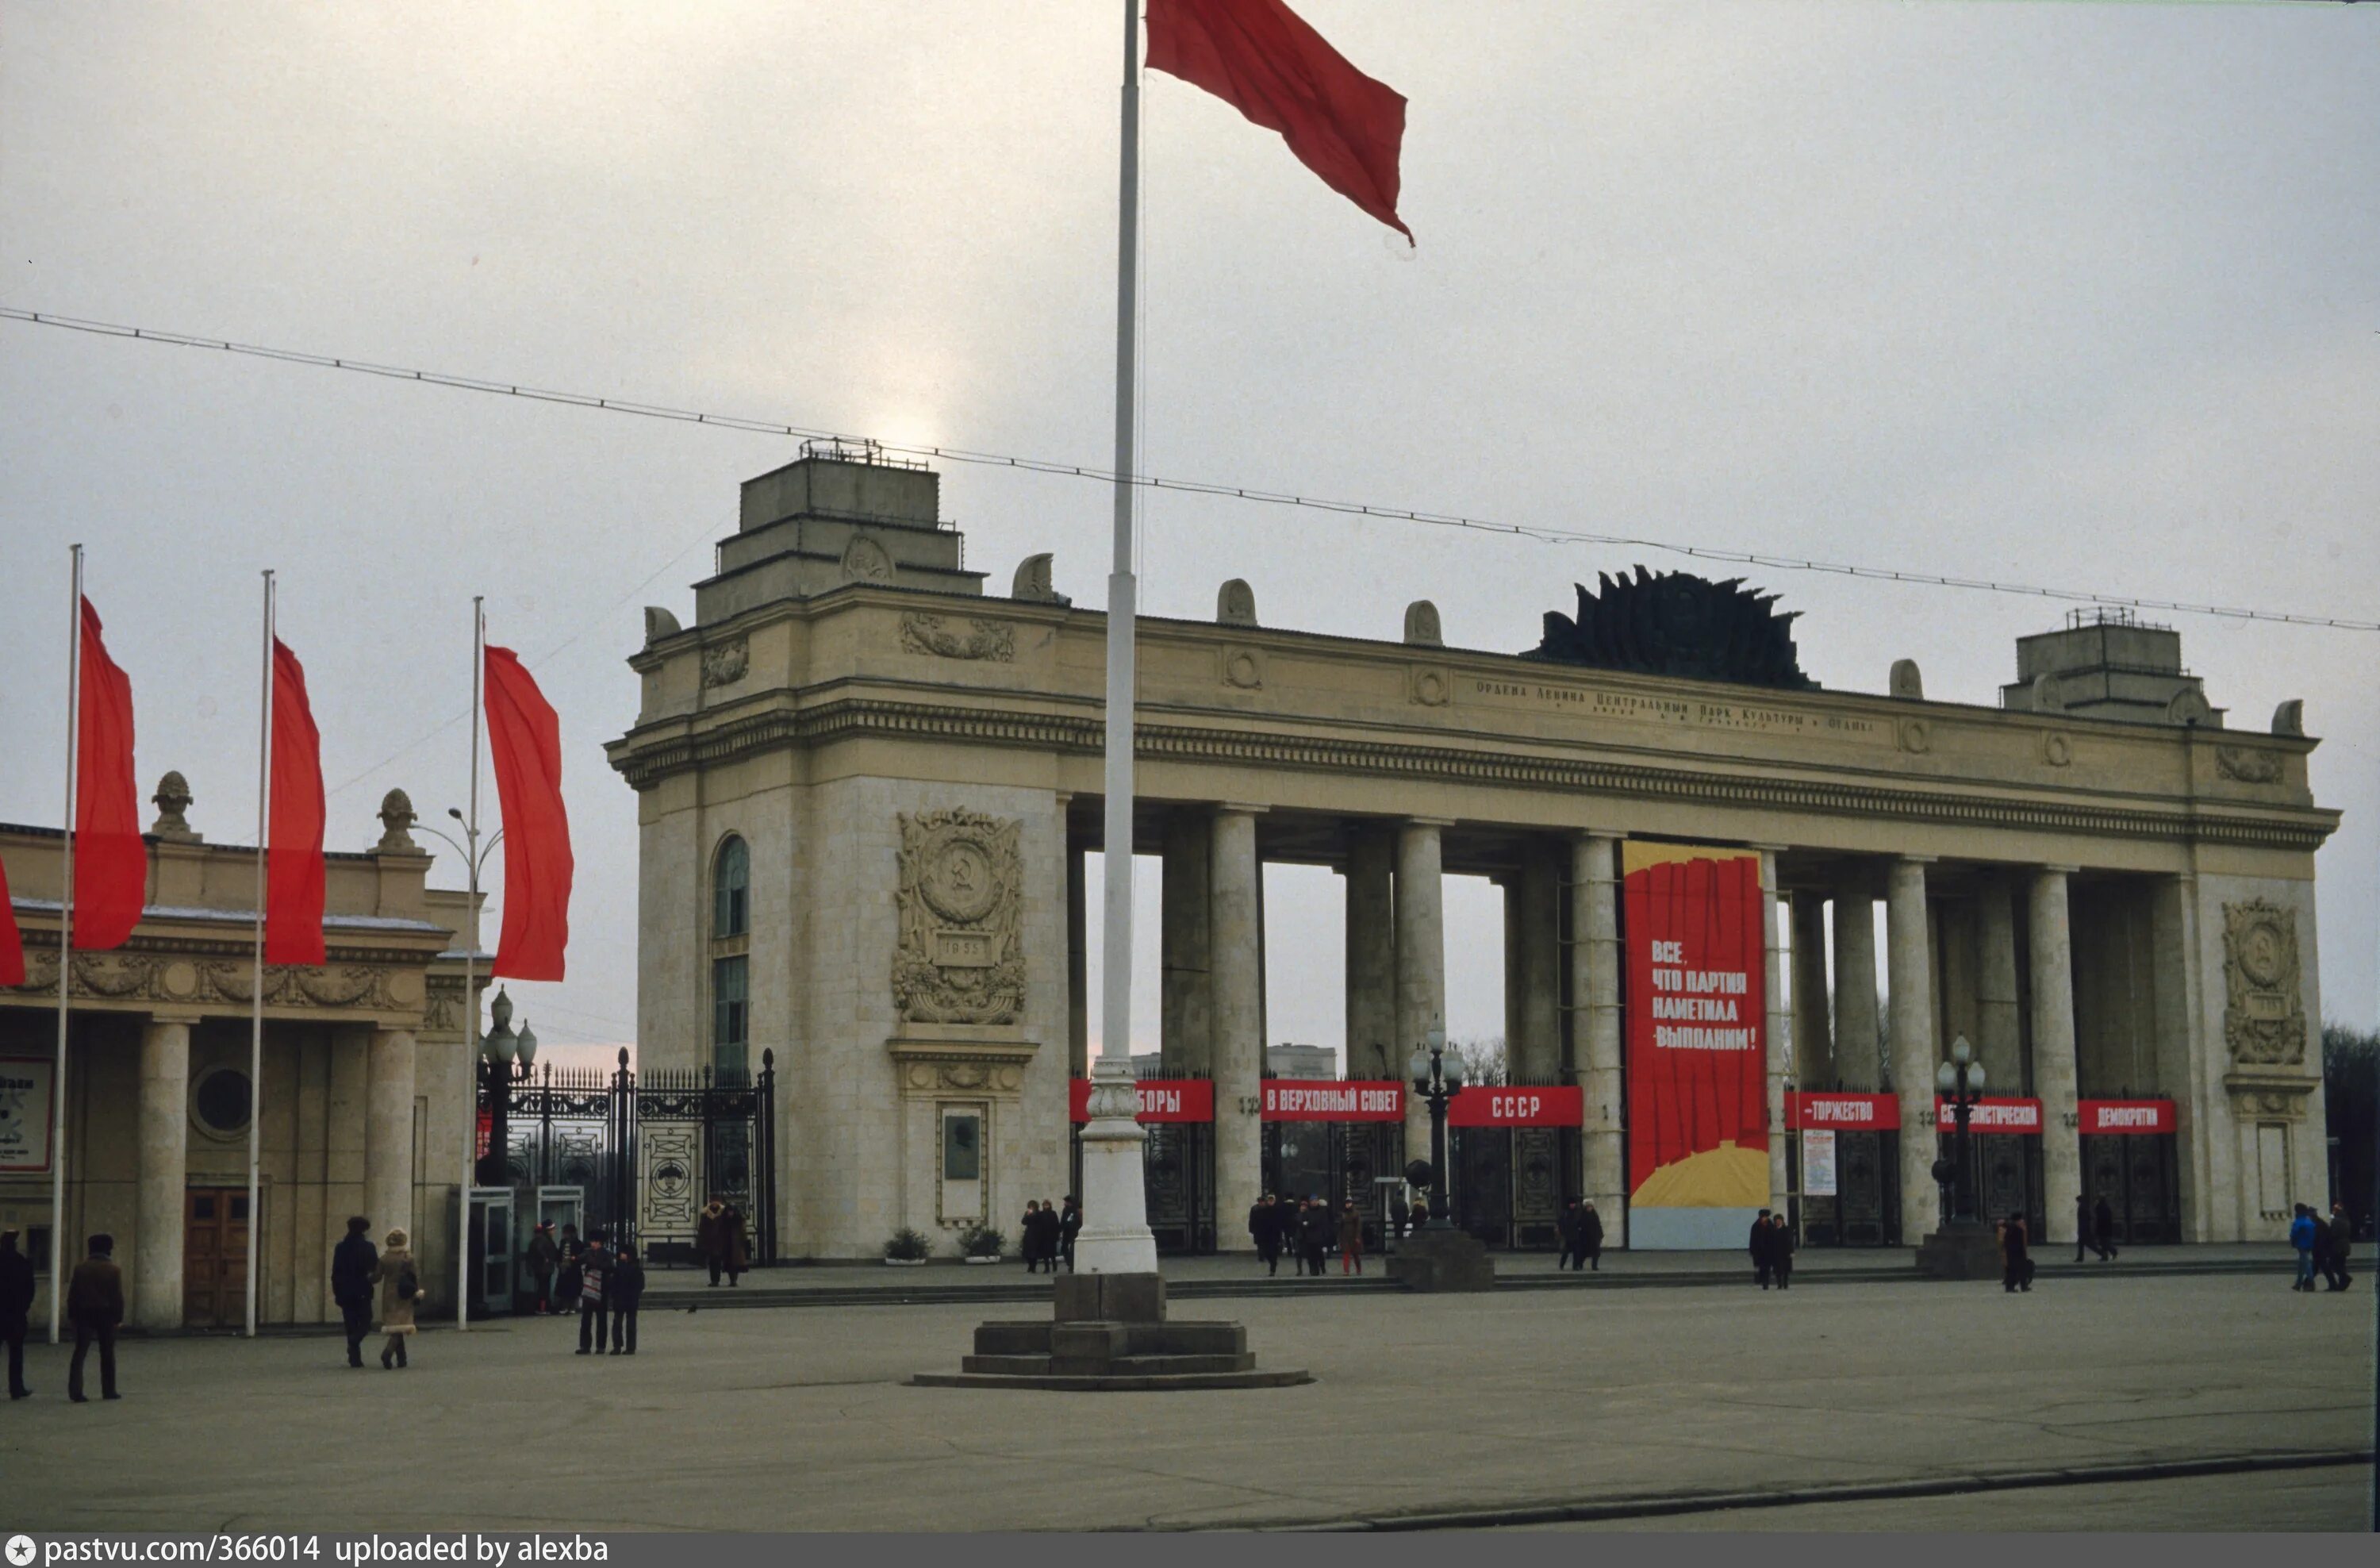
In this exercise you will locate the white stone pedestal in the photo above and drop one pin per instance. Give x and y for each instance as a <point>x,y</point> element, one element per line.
<point>1115,1238</point>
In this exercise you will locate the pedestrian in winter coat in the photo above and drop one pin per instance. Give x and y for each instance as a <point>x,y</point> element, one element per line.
<point>1351,1240</point>
<point>1264,1230</point>
<point>16,1310</point>
<point>1070,1225</point>
<point>719,1235</point>
<point>1567,1228</point>
<point>95,1305</point>
<point>1781,1242</point>
<point>628,1287</point>
<point>594,1295</point>
<point>1314,1234</point>
<point>1028,1236</point>
<point>1757,1246</point>
<point>565,1287</point>
<point>1052,1236</point>
<point>2301,1238</point>
<point>2342,1241</point>
<point>2016,1268</point>
<point>2082,1225</point>
<point>1590,1237</point>
<point>1400,1214</point>
<point>543,1256</point>
<point>2103,1230</point>
<point>352,1262</point>
<point>400,1288</point>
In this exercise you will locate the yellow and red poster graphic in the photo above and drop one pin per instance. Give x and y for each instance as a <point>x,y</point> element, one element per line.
<point>1696,1003</point>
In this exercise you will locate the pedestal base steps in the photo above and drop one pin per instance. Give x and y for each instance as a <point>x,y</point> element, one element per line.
<point>1961,1252</point>
<point>1109,1334</point>
<point>1442,1260</point>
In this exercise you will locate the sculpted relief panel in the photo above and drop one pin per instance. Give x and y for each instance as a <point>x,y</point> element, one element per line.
<point>196,982</point>
<point>960,957</point>
<point>2263,1011</point>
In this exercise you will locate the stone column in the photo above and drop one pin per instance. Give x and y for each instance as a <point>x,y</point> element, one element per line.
<point>2052,972</point>
<point>1184,1019</point>
<point>1078,970</point>
<point>1814,1035</point>
<point>1857,1041</point>
<point>1236,1022</point>
<point>1421,962</point>
<point>1594,981</point>
<point>1534,1054</point>
<point>1998,1034</point>
<point>2178,1073</point>
<point>1779,1026</point>
<point>388,1131</point>
<point>1372,957</point>
<point>1909,963</point>
<point>164,1147</point>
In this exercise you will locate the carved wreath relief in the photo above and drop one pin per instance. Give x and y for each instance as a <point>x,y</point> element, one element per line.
<point>724,663</point>
<point>961,956</point>
<point>2263,1012</point>
<point>994,641</point>
<point>2248,764</point>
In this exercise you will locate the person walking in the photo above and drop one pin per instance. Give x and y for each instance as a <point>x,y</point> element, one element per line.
<point>1566,1227</point>
<point>95,1305</point>
<point>2342,1240</point>
<point>400,1288</point>
<point>1028,1236</point>
<point>2103,1230</point>
<point>1781,1242</point>
<point>543,1257</point>
<point>739,1242</point>
<point>1351,1240</point>
<point>1314,1234</point>
<point>2016,1259</point>
<point>2083,1224</point>
<point>16,1310</point>
<point>352,1262</point>
<point>594,1300</point>
<point>628,1285</point>
<point>1590,1237</point>
<point>1758,1246</point>
<point>1264,1230</point>
<point>2301,1238</point>
<point>1070,1224</point>
<point>719,1235</point>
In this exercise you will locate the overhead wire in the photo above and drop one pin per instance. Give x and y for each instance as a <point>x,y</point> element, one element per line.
<point>1059,468</point>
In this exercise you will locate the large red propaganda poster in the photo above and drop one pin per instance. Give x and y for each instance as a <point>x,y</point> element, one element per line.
<point>1696,1009</point>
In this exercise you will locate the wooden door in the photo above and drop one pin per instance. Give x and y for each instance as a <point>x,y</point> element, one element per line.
<point>214,1258</point>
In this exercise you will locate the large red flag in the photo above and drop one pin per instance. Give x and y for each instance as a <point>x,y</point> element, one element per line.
<point>12,941</point>
<point>1261,57</point>
<point>111,872</point>
<point>293,862</point>
<point>524,741</point>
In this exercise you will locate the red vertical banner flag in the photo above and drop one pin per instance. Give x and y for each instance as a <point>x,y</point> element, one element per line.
<point>1696,1012</point>
<point>1261,57</point>
<point>293,863</point>
<point>525,743</point>
<point>12,941</point>
<point>111,872</point>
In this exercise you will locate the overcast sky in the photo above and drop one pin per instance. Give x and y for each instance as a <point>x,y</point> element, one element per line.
<point>2072,294</point>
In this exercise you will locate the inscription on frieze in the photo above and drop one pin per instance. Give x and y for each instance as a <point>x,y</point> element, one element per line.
<point>1685,713</point>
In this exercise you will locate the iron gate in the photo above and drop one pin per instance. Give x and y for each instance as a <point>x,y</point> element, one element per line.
<point>1865,1210</point>
<point>1511,1182</point>
<point>1337,1160</point>
<point>2138,1175</point>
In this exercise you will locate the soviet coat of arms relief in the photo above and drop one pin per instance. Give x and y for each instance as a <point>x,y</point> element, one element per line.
<point>2263,1010</point>
<point>960,957</point>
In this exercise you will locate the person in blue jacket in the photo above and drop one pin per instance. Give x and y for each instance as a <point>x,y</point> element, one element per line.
<point>2301,1238</point>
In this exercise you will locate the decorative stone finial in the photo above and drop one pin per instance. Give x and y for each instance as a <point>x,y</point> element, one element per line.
<point>2046,698</point>
<point>173,798</point>
<point>1906,681</point>
<point>1235,605</point>
<point>396,815</point>
<point>1033,583</point>
<point>660,623</point>
<point>500,1011</point>
<point>1421,625</point>
<point>2289,717</point>
<point>2189,707</point>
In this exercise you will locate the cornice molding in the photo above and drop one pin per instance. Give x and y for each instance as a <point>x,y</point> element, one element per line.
<point>646,757</point>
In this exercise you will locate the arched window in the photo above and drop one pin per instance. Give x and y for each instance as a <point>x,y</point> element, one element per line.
<point>731,884</point>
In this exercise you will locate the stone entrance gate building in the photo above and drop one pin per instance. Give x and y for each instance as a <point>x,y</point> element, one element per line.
<point>867,788</point>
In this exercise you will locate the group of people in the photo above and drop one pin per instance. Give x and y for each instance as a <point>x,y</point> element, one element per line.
<point>2323,1243</point>
<point>1772,1245</point>
<point>1581,1229</point>
<point>2095,1228</point>
<point>604,1283</point>
<point>94,1306</point>
<point>364,1277</point>
<point>1046,1235</point>
<point>1307,1230</point>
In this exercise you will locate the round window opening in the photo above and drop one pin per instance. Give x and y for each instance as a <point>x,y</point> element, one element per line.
<point>220,1100</point>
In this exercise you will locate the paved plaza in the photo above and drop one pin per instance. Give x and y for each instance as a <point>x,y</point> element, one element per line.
<point>784,1419</point>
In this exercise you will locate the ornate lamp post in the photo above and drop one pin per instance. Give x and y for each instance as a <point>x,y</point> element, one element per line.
<point>498,1052</point>
<point>1961,1081</point>
<point>1436,1077</point>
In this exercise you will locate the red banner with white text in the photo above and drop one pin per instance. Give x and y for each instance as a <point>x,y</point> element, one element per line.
<point>2100,1118</point>
<point>1551,1105</point>
<point>1161,1099</point>
<point>2022,1117</point>
<point>1850,1112</point>
<point>1333,1100</point>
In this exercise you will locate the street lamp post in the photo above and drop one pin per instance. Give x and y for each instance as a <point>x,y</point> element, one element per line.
<point>1961,1081</point>
<point>504,1057</point>
<point>1436,1077</point>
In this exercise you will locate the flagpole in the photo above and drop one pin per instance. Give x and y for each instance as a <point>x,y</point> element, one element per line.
<point>471,1005</point>
<point>256,992</point>
<point>65,952</point>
